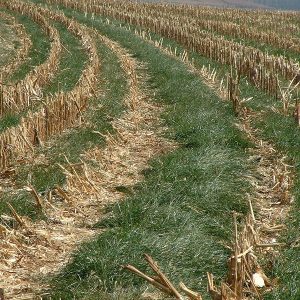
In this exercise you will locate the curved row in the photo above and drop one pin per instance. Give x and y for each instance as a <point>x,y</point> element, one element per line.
<point>273,171</point>
<point>204,18</point>
<point>248,61</point>
<point>84,191</point>
<point>22,51</point>
<point>16,97</point>
<point>60,111</point>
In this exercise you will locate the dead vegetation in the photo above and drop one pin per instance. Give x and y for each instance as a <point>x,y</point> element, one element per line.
<point>43,247</point>
<point>257,237</point>
<point>40,248</point>
<point>21,52</point>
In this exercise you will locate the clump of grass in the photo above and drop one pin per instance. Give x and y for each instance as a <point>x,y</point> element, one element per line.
<point>177,213</point>
<point>22,202</point>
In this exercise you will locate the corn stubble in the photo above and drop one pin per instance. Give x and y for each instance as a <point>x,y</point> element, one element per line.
<point>267,72</point>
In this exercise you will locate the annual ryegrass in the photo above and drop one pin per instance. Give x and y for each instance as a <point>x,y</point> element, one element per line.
<point>39,50</point>
<point>44,176</point>
<point>177,214</point>
<point>72,61</point>
<point>10,42</point>
<point>181,214</point>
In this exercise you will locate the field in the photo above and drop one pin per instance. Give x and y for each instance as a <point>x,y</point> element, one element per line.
<point>148,151</point>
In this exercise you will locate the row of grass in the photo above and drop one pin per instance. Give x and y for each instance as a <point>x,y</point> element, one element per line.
<point>39,51</point>
<point>9,44</point>
<point>177,213</point>
<point>74,142</point>
<point>72,62</point>
<point>285,135</point>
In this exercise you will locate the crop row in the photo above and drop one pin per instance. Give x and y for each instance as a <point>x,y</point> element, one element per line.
<point>59,111</point>
<point>202,18</point>
<point>22,50</point>
<point>262,69</point>
<point>18,96</point>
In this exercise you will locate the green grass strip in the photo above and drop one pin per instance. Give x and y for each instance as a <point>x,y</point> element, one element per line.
<point>112,82</point>
<point>72,62</point>
<point>283,132</point>
<point>11,42</point>
<point>182,213</point>
<point>40,46</point>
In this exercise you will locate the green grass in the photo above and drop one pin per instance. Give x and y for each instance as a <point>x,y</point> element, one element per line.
<point>39,51</point>
<point>74,142</point>
<point>177,213</point>
<point>72,62</point>
<point>9,44</point>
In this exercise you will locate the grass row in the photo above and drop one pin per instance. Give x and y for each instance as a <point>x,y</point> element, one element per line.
<point>177,213</point>
<point>11,42</point>
<point>40,46</point>
<point>45,176</point>
<point>283,132</point>
<point>72,62</point>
